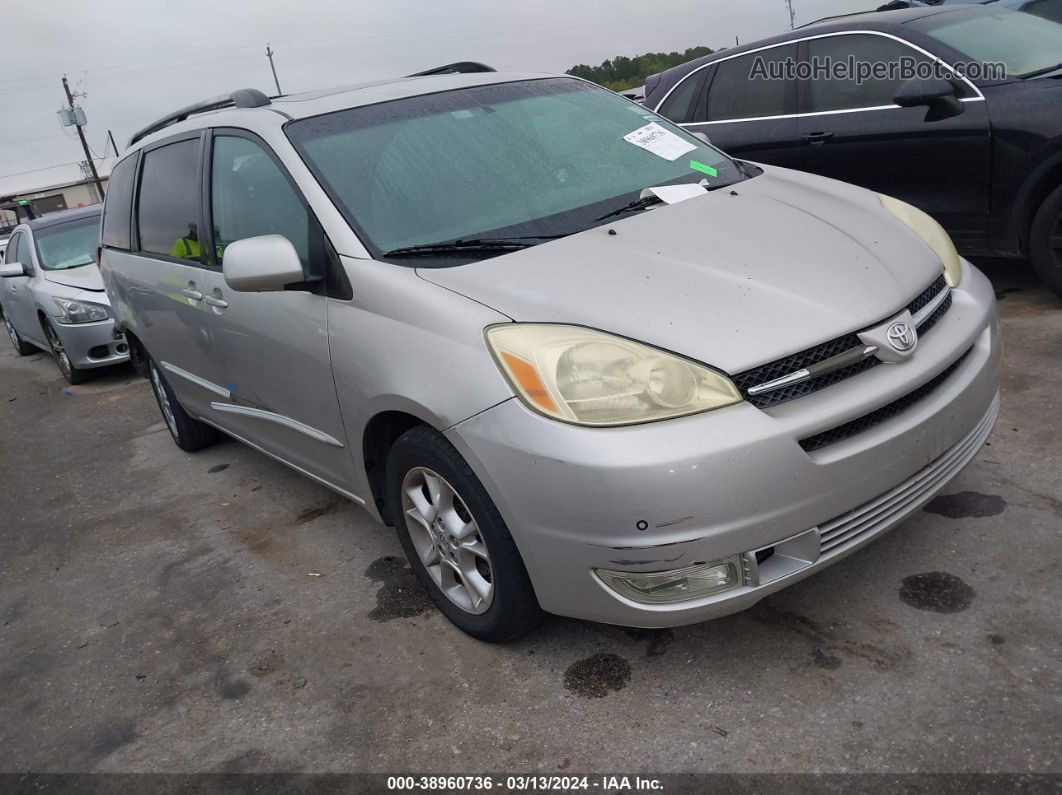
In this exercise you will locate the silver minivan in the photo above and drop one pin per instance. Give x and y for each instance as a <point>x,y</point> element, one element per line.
<point>582,361</point>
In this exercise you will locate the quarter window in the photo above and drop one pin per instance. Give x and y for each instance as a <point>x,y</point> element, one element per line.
<point>116,209</point>
<point>25,256</point>
<point>682,102</point>
<point>736,94</point>
<point>169,207</point>
<point>827,93</point>
<point>250,196</point>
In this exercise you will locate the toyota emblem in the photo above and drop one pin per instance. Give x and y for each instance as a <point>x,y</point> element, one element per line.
<point>901,336</point>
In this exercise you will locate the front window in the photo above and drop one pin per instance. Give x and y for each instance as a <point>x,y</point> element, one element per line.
<point>528,160</point>
<point>68,245</point>
<point>1024,43</point>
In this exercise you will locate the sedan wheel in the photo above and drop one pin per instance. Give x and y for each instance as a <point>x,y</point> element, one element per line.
<point>448,541</point>
<point>164,400</point>
<point>23,347</point>
<point>62,358</point>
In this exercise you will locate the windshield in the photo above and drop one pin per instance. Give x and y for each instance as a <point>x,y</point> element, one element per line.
<point>1022,42</point>
<point>68,245</point>
<point>530,159</point>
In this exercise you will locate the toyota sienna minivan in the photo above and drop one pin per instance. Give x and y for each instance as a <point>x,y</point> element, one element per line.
<point>583,362</point>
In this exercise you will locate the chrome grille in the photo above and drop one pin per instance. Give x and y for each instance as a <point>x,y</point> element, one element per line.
<point>819,353</point>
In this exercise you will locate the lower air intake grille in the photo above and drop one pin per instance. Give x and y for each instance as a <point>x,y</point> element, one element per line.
<point>886,412</point>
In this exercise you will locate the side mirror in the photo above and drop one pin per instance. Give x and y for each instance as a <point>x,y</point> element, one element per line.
<point>261,264</point>
<point>938,95</point>
<point>9,269</point>
<point>702,137</point>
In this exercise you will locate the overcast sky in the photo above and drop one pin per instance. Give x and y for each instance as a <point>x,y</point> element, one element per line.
<point>139,59</point>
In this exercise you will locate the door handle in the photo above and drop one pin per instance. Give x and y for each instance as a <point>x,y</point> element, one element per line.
<point>192,293</point>
<point>220,303</point>
<point>817,138</point>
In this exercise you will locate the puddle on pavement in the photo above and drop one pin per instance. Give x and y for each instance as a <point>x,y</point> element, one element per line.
<point>597,676</point>
<point>966,504</point>
<point>937,592</point>
<point>401,594</point>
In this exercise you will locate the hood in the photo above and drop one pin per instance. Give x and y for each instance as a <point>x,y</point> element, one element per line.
<point>735,278</point>
<point>85,277</point>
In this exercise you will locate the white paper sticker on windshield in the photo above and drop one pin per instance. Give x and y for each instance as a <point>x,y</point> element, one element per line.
<point>660,141</point>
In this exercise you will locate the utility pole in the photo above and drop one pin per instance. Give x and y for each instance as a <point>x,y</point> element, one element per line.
<point>269,55</point>
<point>792,14</point>
<point>114,146</point>
<point>84,143</point>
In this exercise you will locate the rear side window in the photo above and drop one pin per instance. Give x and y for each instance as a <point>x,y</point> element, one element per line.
<point>118,205</point>
<point>168,210</point>
<point>682,102</point>
<point>250,196</point>
<point>735,94</point>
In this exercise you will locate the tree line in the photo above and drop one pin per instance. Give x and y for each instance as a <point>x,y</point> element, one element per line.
<point>621,73</point>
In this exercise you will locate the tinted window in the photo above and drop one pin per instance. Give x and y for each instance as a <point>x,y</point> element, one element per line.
<point>118,205</point>
<point>250,196</point>
<point>68,245</point>
<point>168,210</point>
<point>848,92</point>
<point>682,102</point>
<point>736,94</point>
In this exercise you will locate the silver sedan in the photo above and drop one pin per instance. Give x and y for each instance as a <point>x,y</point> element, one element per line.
<point>51,294</point>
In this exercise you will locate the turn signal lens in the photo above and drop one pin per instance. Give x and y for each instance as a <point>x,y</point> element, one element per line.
<point>587,377</point>
<point>932,234</point>
<point>678,585</point>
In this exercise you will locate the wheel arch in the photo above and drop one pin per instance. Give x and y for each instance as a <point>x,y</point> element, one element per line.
<point>380,433</point>
<point>1040,184</point>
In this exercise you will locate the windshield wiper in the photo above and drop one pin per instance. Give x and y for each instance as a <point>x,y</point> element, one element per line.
<point>476,244</point>
<point>1041,72</point>
<point>634,206</point>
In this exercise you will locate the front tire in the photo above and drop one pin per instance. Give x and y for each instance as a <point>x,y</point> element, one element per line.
<point>23,347</point>
<point>1045,241</point>
<point>456,541</point>
<point>188,433</point>
<point>70,372</point>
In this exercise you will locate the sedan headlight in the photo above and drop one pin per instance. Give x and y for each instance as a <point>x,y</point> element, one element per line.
<point>587,377</point>
<point>931,232</point>
<point>81,311</point>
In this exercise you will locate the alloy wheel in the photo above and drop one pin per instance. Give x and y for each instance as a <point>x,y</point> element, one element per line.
<point>61,357</point>
<point>12,333</point>
<point>447,540</point>
<point>164,400</point>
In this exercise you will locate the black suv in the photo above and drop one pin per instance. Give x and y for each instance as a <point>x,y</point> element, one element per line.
<point>983,154</point>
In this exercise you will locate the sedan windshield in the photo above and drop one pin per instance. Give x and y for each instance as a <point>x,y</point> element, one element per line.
<point>68,245</point>
<point>519,162</point>
<point>1024,43</point>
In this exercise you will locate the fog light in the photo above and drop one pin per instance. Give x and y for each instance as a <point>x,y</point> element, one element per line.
<point>677,585</point>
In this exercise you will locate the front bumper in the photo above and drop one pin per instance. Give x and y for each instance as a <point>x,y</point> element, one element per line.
<point>667,495</point>
<point>92,345</point>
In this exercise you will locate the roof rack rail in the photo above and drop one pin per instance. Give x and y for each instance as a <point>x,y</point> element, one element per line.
<point>461,67</point>
<point>243,98</point>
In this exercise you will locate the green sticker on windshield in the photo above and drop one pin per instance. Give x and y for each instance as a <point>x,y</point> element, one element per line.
<point>711,172</point>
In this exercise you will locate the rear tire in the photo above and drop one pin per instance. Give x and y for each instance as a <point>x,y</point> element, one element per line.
<point>23,347</point>
<point>1045,241</point>
<point>460,548</point>
<point>70,372</point>
<point>188,433</point>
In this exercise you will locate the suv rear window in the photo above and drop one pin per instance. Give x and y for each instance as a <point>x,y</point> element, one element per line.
<point>118,204</point>
<point>168,211</point>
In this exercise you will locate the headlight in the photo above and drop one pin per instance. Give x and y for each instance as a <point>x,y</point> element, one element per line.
<point>81,311</point>
<point>587,377</point>
<point>931,232</point>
